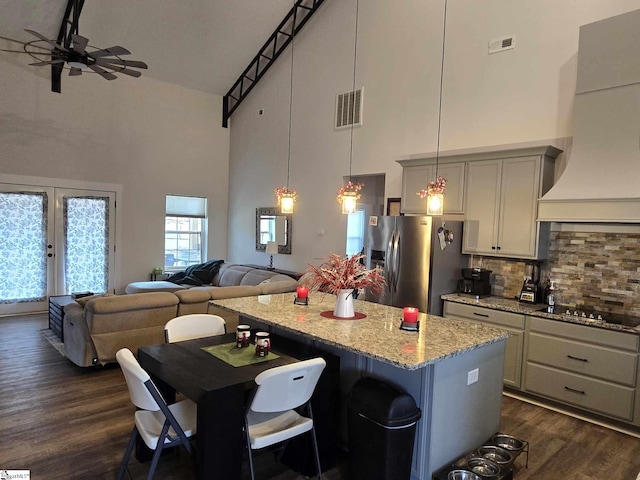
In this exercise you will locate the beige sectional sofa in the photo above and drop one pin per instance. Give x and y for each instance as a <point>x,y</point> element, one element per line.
<point>95,328</point>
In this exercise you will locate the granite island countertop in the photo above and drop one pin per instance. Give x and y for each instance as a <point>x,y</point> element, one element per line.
<point>534,310</point>
<point>377,336</point>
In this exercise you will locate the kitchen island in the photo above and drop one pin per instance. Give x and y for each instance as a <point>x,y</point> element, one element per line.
<point>453,369</point>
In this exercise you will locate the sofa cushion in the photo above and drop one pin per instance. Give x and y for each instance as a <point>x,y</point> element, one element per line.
<point>82,301</point>
<point>218,293</point>
<point>279,284</point>
<point>256,277</point>
<point>194,295</point>
<point>232,276</point>
<point>126,303</point>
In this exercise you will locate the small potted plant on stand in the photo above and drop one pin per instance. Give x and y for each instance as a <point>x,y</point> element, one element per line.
<point>342,276</point>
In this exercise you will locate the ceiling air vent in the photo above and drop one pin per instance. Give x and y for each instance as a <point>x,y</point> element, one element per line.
<point>502,44</point>
<point>349,109</point>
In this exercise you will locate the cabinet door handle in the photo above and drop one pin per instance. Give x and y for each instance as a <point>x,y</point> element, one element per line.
<point>573,390</point>
<point>578,358</point>
<point>481,314</point>
<point>499,248</point>
<point>493,247</point>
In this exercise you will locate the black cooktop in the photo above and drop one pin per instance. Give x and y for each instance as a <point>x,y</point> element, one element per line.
<point>594,314</point>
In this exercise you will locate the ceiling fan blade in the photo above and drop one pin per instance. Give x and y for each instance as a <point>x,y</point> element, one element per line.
<point>116,62</point>
<point>102,72</point>
<point>79,43</point>
<point>110,51</point>
<point>126,71</point>
<point>74,72</point>
<point>47,62</point>
<point>45,39</point>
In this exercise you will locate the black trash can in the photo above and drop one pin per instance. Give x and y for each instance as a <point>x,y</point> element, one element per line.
<point>382,425</point>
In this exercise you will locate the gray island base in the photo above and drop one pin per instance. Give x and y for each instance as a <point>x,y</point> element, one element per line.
<point>438,365</point>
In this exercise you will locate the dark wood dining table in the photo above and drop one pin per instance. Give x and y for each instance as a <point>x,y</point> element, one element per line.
<point>220,391</point>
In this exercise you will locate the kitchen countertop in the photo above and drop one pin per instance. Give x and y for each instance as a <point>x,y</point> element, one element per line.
<point>377,336</point>
<point>509,305</point>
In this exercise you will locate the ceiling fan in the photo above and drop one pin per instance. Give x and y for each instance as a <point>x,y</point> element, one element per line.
<point>79,60</point>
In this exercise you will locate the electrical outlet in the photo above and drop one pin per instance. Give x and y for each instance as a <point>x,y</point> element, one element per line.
<point>472,376</point>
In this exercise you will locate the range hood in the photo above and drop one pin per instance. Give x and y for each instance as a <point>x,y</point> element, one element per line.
<point>601,181</point>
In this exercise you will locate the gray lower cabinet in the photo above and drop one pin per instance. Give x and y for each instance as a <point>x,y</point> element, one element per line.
<point>513,322</point>
<point>582,366</point>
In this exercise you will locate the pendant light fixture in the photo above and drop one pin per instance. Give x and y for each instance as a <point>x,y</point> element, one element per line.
<point>285,195</point>
<point>349,194</point>
<point>435,190</point>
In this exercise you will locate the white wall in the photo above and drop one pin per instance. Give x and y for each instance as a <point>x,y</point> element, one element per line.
<point>524,94</point>
<point>150,137</point>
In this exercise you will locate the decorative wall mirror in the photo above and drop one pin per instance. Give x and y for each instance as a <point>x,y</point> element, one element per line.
<point>273,226</point>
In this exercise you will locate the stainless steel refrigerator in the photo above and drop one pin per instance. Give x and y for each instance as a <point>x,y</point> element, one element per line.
<point>416,267</point>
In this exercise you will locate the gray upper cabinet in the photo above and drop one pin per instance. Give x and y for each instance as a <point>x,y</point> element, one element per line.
<point>417,173</point>
<point>501,204</point>
<point>502,207</point>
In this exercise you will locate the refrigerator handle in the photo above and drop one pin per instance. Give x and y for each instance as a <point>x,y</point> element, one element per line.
<point>388,260</point>
<point>396,260</point>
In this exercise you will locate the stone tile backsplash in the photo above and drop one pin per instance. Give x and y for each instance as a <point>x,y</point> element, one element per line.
<point>600,270</point>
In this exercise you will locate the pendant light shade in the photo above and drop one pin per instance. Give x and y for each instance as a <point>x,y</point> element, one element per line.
<point>349,203</point>
<point>435,204</point>
<point>348,196</point>
<point>286,203</point>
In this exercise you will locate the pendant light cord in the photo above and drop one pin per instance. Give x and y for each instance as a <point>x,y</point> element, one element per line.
<point>444,35</point>
<point>353,89</point>
<point>293,36</point>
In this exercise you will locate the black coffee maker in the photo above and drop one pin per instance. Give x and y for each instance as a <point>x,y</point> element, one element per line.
<point>475,282</point>
<point>531,288</point>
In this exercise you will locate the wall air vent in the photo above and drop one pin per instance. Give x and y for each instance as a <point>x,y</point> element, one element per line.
<point>349,109</point>
<point>502,44</point>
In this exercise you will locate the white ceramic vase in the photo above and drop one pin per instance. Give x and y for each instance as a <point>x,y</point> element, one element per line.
<point>344,304</point>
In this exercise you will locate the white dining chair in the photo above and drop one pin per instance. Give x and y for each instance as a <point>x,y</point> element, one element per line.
<point>158,424</point>
<point>197,325</point>
<point>270,417</point>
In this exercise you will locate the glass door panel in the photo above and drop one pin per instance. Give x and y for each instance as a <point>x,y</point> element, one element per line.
<point>26,254</point>
<point>85,239</point>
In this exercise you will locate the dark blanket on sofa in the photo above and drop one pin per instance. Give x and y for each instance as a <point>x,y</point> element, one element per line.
<point>196,275</point>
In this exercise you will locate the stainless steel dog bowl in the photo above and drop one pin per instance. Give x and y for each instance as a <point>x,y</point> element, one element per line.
<point>508,442</point>
<point>496,454</point>
<point>462,475</point>
<point>482,466</point>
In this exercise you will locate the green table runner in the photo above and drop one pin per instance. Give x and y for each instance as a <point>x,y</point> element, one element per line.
<point>238,357</point>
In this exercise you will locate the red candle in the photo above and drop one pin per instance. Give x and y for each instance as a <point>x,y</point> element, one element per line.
<point>410,314</point>
<point>302,292</point>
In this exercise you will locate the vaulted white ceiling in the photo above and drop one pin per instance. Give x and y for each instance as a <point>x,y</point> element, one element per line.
<point>199,44</point>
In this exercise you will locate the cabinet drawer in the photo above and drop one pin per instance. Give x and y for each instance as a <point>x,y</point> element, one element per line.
<point>626,341</point>
<point>481,314</point>
<point>589,393</point>
<point>592,360</point>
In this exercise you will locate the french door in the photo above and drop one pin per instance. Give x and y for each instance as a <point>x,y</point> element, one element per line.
<point>53,242</point>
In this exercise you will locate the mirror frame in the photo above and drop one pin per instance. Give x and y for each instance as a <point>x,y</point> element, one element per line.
<point>273,211</point>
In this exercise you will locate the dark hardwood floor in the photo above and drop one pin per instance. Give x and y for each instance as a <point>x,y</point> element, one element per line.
<point>65,422</point>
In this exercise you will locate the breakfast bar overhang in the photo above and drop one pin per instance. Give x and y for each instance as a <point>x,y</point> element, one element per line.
<point>453,369</point>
